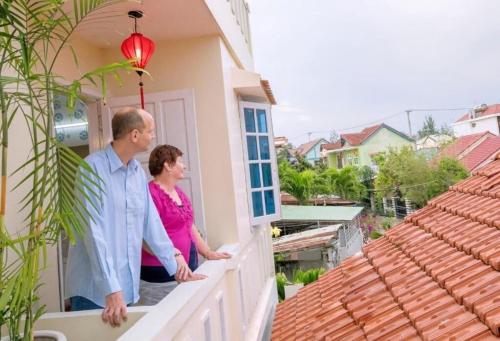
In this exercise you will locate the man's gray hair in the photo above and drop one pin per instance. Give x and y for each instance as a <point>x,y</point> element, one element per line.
<point>125,120</point>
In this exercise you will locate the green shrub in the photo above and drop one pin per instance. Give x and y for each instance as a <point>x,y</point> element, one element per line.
<point>308,276</point>
<point>387,223</point>
<point>375,235</point>
<point>281,280</point>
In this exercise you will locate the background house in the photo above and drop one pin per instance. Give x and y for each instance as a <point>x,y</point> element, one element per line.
<point>357,149</point>
<point>473,151</point>
<point>208,100</point>
<point>430,145</point>
<point>288,199</point>
<point>479,119</point>
<point>283,148</point>
<point>322,247</point>
<point>311,151</point>
<point>300,218</point>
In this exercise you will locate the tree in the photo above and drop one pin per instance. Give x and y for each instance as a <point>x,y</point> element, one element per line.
<point>446,129</point>
<point>429,127</point>
<point>447,173</point>
<point>404,173</point>
<point>367,177</point>
<point>344,183</point>
<point>284,153</point>
<point>301,164</point>
<point>334,136</point>
<point>298,184</point>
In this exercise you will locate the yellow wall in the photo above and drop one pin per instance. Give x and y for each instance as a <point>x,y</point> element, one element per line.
<point>89,58</point>
<point>196,64</point>
<point>201,64</point>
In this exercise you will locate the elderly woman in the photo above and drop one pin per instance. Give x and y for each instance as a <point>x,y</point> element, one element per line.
<point>176,213</point>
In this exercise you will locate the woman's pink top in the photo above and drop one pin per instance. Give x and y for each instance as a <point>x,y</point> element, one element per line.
<point>177,220</point>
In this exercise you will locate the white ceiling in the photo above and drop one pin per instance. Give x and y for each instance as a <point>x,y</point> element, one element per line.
<point>162,20</point>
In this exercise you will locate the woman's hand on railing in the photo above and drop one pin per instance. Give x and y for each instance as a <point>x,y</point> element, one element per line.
<point>190,277</point>
<point>214,255</point>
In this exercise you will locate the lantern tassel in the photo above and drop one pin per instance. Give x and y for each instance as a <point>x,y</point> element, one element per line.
<point>141,90</point>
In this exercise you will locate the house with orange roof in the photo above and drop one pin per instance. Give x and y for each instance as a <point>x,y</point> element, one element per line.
<point>436,276</point>
<point>311,150</point>
<point>479,119</point>
<point>357,149</point>
<point>473,151</point>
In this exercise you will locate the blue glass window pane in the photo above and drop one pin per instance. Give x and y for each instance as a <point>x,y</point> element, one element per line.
<point>267,178</point>
<point>261,120</point>
<point>269,198</point>
<point>249,120</point>
<point>254,175</point>
<point>264,148</point>
<point>252,148</point>
<point>258,207</point>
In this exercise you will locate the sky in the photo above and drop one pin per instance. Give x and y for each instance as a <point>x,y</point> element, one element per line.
<point>341,64</point>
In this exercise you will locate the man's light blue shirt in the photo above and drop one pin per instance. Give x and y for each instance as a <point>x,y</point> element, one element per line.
<point>107,258</point>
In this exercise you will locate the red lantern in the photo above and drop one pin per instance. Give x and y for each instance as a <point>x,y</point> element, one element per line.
<point>139,48</point>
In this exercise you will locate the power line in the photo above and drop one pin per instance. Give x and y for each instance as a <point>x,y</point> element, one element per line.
<point>408,111</point>
<point>353,127</point>
<point>441,109</point>
<point>401,187</point>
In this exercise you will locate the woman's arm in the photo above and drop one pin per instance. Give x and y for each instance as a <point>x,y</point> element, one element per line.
<point>204,249</point>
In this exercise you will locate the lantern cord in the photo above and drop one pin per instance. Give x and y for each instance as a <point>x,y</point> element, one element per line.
<point>141,90</point>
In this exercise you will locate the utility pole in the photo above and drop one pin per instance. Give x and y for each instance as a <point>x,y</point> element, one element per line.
<point>409,122</point>
<point>309,135</point>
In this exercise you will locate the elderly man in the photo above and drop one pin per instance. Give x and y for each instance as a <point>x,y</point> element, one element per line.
<point>104,265</point>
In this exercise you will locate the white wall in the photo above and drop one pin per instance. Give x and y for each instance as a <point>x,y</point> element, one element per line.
<point>232,30</point>
<point>479,125</point>
<point>236,147</point>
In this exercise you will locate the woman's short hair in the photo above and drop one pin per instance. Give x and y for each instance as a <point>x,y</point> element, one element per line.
<point>161,154</point>
<point>125,120</point>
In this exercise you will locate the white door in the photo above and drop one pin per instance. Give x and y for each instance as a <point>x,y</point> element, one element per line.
<point>175,121</point>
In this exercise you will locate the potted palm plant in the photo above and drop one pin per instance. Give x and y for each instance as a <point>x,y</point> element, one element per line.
<point>32,35</point>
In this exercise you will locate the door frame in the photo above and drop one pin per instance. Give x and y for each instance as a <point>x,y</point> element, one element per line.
<point>90,97</point>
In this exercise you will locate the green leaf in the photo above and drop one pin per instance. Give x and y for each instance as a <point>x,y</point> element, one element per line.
<point>6,292</point>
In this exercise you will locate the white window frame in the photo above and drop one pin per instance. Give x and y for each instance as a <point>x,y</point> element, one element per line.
<point>272,159</point>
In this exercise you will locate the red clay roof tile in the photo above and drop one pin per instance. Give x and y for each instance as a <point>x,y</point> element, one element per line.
<point>473,150</point>
<point>435,276</point>
<point>490,110</point>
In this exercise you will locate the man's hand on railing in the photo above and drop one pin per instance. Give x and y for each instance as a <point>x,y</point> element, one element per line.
<point>115,311</point>
<point>182,267</point>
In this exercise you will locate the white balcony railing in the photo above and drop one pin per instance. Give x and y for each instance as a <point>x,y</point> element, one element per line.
<point>233,303</point>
